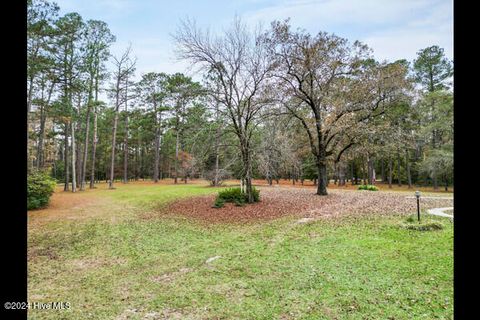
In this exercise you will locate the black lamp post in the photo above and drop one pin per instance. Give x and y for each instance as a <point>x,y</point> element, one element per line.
<point>417,195</point>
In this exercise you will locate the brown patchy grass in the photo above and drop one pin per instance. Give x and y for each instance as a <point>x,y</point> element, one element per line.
<point>83,205</point>
<point>74,207</point>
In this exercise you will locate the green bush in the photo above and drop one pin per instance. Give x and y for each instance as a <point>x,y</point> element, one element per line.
<point>368,187</point>
<point>218,203</point>
<point>40,187</point>
<point>239,203</point>
<point>235,195</point>
<point>232,195</point>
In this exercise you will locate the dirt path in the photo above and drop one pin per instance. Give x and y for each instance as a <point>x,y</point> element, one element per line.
<point>440,212</point>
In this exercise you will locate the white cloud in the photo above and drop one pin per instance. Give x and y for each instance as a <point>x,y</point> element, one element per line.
<point>402,45</point>
<point>153,55</point>
<point>403,42</point>
<point>393,29</point>
<point>338,12</point>
<point>106,9</point>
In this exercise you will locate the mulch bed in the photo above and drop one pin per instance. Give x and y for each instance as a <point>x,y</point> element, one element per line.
<point>281,202</point>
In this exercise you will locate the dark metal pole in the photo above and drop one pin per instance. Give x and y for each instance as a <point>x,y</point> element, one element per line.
<point>418,209</point>
<point>417,194</point>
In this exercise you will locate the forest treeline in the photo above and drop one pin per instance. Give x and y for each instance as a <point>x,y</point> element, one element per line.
<point>272,104</point>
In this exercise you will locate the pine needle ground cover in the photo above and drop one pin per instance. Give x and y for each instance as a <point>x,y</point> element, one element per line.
<point>116,254</point>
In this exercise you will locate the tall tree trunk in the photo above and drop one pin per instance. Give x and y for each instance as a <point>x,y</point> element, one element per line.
<point>407,164</point>
<point>29,108</point>
<point>125,140</point>
<point>160,160</point>
<point>322,176</point>
<point>390,172</point>
<point>94,148</point>
<point>157,155</point>
<point>135,164</point>
<point>95,138</point>
<point>43,119</point>
<point>176,158</point>
<point>74,178</point>
<point>248,176</point>
<point>335,172</point>
<point>42,126</point>
<point>341,174</point>
<point>114,137</point>
<point>87,129</point>
<point>434,143</point>
<point>78,158</point>
<point>65,159</point>
<point>383,171</point>
<point>364,171</point>
<point>370,169</point>
<point>217,143</point>
<point>352,168</point>
<point>158,121</point>
<point>399,162</point>
<point>41,137</point>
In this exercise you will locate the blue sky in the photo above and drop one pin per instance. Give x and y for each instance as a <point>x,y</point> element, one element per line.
<point>394,29</point>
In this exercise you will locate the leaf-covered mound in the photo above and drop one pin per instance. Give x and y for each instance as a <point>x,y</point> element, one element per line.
<point>281,202</point>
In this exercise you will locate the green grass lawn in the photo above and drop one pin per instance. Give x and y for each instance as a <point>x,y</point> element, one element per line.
<point>369,268</point>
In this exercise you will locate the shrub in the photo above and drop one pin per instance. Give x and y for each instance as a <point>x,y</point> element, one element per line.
<point>235,195</point>
<point>218,203</point>
<point>368,187</point>
<point>232,195</point>
<point>239,203</point>
<point>40,187</point>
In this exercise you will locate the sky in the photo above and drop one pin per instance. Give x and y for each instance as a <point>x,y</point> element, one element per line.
<point>394,29</point>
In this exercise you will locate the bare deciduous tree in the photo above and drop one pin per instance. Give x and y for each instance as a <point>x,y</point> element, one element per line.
<point>239,61</point>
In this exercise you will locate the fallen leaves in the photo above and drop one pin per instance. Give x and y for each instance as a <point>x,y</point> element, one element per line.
<point>280,202</point>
